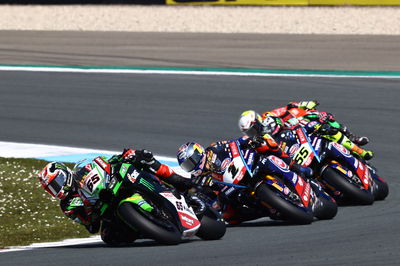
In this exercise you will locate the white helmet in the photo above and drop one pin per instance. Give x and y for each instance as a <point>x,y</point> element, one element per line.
<point>250,123</point>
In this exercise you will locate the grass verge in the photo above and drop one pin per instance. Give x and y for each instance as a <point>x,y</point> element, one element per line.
<point>27,213</point>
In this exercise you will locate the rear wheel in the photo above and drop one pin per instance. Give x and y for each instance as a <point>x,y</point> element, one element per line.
<point>212,225</point>
<point>350,191</point>
<point>162,230</point>
<point>288,210</point>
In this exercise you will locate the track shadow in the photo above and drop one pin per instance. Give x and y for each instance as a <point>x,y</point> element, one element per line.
<point>139,243</point>
<point>269,223</point>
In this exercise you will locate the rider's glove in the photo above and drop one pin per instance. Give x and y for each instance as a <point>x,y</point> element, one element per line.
<point>306,172</point>
<point>324,117</point>
<point>255,142</point>
<point>128,155</point>
<point>144,157</point>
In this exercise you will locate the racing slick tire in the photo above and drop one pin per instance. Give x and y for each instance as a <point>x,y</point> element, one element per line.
<point>350,191</point>
<point>212,225</point>
<point>169,234</point>
<point>289,211</point>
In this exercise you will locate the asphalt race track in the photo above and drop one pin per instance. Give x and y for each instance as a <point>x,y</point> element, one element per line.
<point>160,112</point>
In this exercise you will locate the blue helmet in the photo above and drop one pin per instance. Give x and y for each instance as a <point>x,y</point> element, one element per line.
<point>191,158</point>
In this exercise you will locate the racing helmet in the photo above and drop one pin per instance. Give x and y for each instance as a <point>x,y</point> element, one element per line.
<point>191,158</point>
<point>272,125</point>
<point>56,179</point>
<point>250,123</point>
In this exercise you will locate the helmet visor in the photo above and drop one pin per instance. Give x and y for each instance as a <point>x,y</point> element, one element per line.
<point>56,185</point>
<point>191,162</point>
<point>251,132</point>
<point>254,130</point>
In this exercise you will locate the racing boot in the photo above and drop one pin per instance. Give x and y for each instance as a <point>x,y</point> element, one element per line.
<point>360,141</point>
<point>356,150</point>
<point>339,137</point>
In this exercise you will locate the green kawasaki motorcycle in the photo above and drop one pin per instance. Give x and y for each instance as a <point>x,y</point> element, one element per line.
<point>149,207</point>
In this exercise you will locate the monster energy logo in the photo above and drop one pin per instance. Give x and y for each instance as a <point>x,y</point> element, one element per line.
<point>145,183</point>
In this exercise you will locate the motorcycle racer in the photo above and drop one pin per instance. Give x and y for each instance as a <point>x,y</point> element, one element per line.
<point>250,121</point>
<point>307,110</point>
<point>206,165</point>
<point>285,135</point>
<point>63,183</point>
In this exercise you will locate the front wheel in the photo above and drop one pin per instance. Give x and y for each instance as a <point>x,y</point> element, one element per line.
<point>326,208</point>
<point>164,231</point>
<point>288,211</point>
<point>212,225</point>
<point>381,189</point>
<point>351,191</point>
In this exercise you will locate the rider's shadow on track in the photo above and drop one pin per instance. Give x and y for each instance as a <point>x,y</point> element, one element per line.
<point>136,244</point>
<point>264,223</point>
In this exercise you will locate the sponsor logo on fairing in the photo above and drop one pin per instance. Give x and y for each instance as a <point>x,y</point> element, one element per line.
<point>294,111</point>
<point>250,159</point>
<point>312,124</point>
<point>355,164</point>
<point>278,163</point>
<point>286,190</point>
<point>167,194</point>
<point>225,164</point>
<point>102,163</point>
<point>234,149</point>
<point>340,148</point>
<point>188,221</point>
<point>317,146</point>
<point>229,191</point>
<point>294,149</point>
<point>279,111</point>
<point>294,179</point>
<point>132,177</point>
<point>239,176</point>
<point>350,173</point>
<point>306,195</point>
<point>301,136</point>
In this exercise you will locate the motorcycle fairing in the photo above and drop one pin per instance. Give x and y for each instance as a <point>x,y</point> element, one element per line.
<point>361,172</point>
<point>143,181</point>
<point>302,187</point>
<point>187,217</point>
